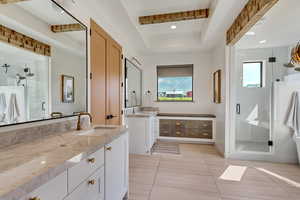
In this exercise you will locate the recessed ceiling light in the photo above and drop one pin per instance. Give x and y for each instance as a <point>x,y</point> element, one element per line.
<point>173,27</point>
<point>250,33</point>
<point>263,41</point>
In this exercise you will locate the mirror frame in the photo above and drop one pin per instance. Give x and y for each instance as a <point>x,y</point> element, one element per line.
<point>125,86</point>
<point>87,76</point>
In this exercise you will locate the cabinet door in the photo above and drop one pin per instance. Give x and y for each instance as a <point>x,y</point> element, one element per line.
<point>99,44</point>
<point>113,74</point>
<point>116,168</point>
<point>54,189</point>
<point>91,188</point>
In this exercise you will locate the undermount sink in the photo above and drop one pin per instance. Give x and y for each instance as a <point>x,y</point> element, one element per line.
<point>91,132</point>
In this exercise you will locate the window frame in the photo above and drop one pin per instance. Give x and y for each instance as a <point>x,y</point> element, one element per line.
<point>174,101</point>
<point>261,74</point>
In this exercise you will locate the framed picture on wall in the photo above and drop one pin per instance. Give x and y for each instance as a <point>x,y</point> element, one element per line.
<point>217,86</point>
<point>68,89</point>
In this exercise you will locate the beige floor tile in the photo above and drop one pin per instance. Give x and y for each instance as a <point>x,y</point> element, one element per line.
<point>201,170</point>
<point>138,197</point>
<point>252,190</point>
<point>187,181</point>
<point>165,193</point>
<point>194,175</point>
<point>139,189</point>
<point>250,175</point>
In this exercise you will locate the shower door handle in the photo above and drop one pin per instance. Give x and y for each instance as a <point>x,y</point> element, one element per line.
<point>238,109</point>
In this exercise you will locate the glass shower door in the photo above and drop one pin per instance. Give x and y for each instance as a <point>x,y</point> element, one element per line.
<point>254,83</point>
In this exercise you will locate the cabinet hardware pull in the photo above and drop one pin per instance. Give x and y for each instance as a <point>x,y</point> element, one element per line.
<point>34,198</point>
<point>109,148</point>
<point>91,160</point>
<point>91,182</point>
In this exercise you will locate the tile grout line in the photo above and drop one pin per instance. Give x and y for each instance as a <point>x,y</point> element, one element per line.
<point>214,178</point>
<point>154,180</point>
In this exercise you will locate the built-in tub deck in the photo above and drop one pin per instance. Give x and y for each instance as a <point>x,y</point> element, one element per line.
<point>187,127</point>
<point>186,115</point>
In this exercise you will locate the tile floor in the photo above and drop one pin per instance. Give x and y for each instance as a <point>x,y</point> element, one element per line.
<point>195,175</point>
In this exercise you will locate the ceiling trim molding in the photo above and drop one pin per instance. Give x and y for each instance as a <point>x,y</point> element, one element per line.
<point>176,16</point>
<point>66,28</point>
<point>248,17</point>
<point>10,1</point>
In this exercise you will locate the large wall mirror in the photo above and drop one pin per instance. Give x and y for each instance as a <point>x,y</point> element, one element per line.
<point>43,62</point>
<point>133,85</point>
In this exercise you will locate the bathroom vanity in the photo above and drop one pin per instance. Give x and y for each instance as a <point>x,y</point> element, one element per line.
<point>91,164</point>
<point>143,128</point>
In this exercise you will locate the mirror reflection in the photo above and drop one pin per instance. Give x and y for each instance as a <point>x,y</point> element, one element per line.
<point>133,85</point>
<point>42,62</point>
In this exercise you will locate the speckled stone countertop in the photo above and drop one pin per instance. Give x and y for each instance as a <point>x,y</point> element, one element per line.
<point>142,114</point>
<point>25,167</point>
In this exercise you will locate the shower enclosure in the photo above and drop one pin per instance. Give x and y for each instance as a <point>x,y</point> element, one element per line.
<point>256,71</point>
<point>25,77</point>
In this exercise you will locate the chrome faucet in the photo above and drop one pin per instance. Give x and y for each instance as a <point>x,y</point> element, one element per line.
<point>79,119</point>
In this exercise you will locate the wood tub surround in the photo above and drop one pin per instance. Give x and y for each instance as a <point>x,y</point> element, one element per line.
<point>186,128</point>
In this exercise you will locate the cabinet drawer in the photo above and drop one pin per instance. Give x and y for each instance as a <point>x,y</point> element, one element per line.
<point>54,189</point>
<point>91,189</point>
<point>84,169</point>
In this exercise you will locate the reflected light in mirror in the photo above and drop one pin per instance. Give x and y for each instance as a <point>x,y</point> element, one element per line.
<point>250,33</point>
<point>233,173</point>
<point>263,41</point>
<point>288,181</point>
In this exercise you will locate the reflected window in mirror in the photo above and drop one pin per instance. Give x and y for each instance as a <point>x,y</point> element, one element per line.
<point>133,85</point>
<point>40,44</point>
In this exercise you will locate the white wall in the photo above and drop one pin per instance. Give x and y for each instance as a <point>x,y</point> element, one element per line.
<point>66,63</point>
<point>202,81</point>
<point>219,62</point>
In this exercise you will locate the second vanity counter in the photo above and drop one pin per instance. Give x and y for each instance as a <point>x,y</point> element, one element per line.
<point>25,167</point>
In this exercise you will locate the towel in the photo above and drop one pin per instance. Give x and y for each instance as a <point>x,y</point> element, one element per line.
<point>13,112</point>
<point>3,107</point>
<point>293,118</point>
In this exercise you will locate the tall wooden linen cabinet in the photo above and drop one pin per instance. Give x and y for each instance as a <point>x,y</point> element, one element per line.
<point>106,77</point>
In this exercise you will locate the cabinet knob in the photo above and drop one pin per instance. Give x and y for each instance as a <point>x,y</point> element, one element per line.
<point>109,148</point>
<point>91,182</point>
<point>91,160</point>
<point>34,198</point>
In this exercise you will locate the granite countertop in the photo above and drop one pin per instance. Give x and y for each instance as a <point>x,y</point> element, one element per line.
<point>142,114</point>
<point>25,167</point>
<point>185,115</point>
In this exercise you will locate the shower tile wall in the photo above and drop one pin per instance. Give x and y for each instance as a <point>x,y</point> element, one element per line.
<point>36,87</point>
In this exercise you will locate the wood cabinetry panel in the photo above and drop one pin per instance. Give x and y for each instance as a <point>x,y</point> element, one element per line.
<point>98,65</point>
<point>186,128</point>
<point>106,74</point>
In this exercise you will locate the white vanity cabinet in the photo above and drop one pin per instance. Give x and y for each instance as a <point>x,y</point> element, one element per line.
<point>116,168</point>
<point>54,189</point>
<point>90,189</point>
<point>84,169</point>
<point>103,175</point>
<point>143,133</point>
